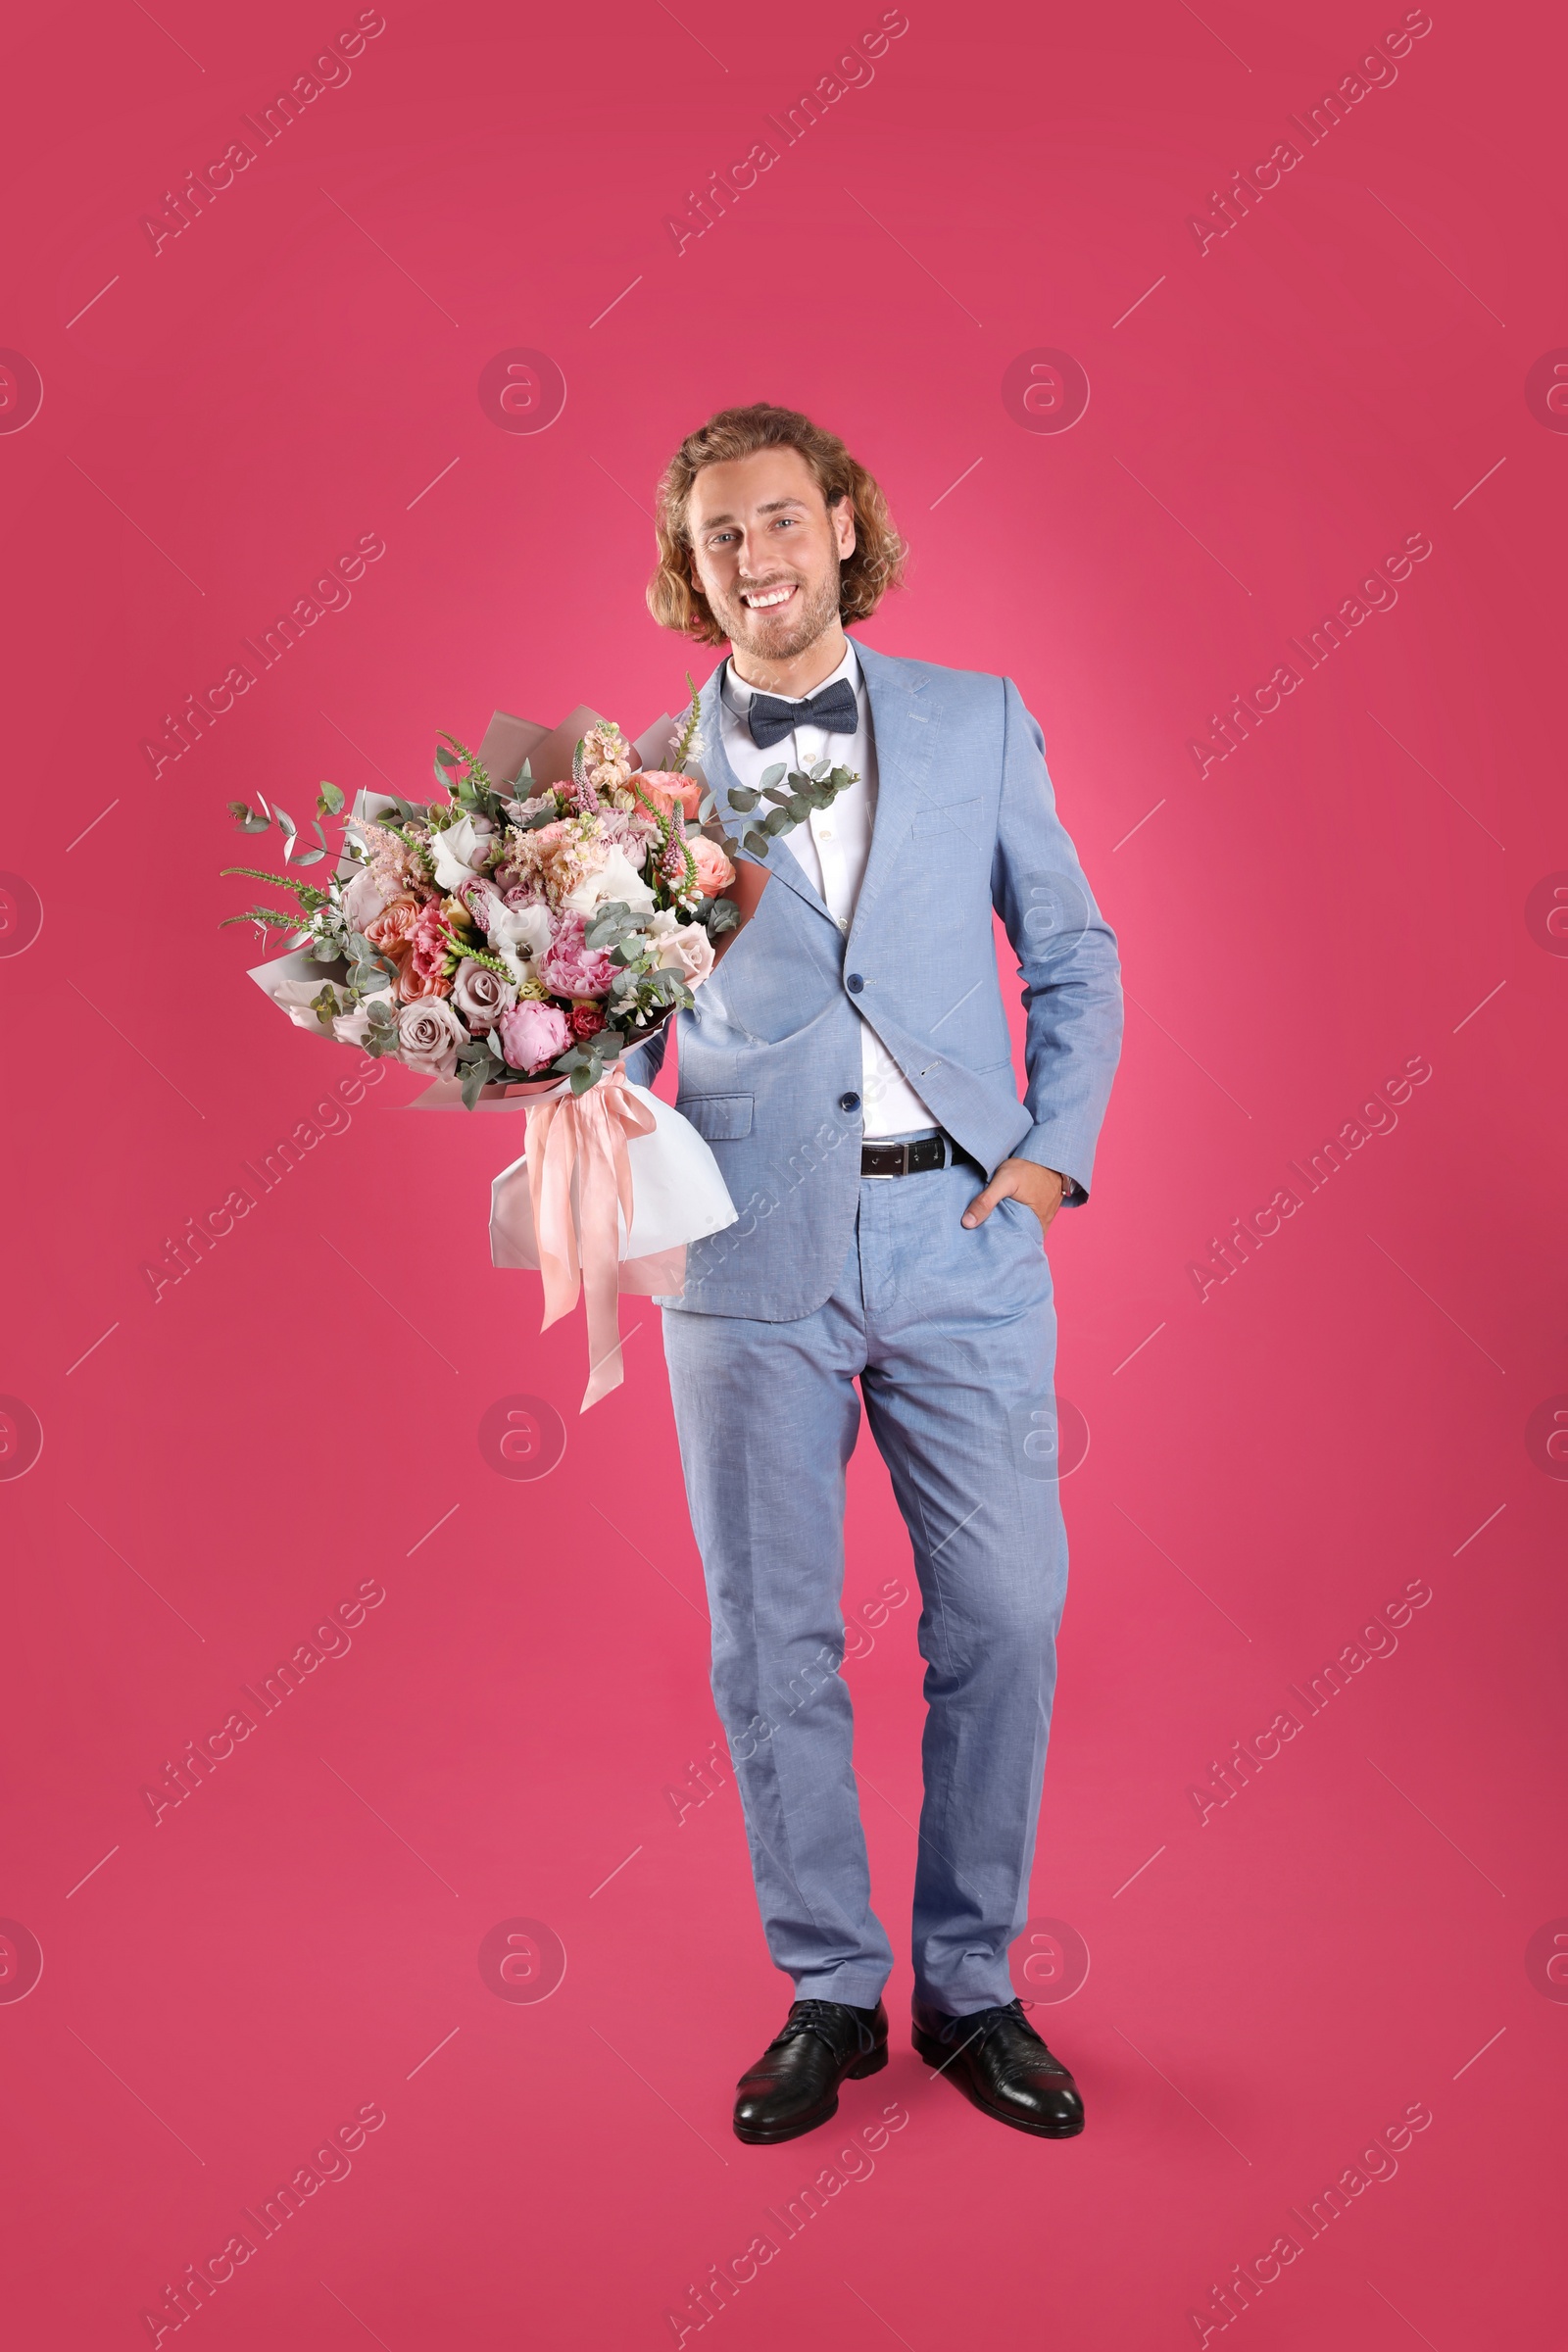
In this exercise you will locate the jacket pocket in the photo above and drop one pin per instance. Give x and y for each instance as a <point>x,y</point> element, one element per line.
<point>717,1118</point>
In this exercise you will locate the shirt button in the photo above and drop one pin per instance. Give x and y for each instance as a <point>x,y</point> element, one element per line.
<point>849,1102</point>
<point>855,984</point>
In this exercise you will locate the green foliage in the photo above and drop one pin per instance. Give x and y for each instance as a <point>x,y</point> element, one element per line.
<point>267,916</point>
<point>308,897</point>
<point>327,1009</point>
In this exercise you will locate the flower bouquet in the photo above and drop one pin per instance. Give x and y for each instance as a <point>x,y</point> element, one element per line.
<point>504,932</point>
<point>510,941</point>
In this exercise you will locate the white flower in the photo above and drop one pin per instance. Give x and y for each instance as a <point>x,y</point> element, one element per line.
<point>458,851</point>
<point>519,928</point>
<point>364,897</point>
<point>689,950</point>
<point>616,878</point>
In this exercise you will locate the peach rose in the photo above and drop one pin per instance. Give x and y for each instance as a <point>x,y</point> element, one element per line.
<point>666,790</point>
<point>715,871</point>
<point>393,927</point>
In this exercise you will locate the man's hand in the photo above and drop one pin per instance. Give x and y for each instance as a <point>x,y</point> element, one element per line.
<point>1039,1189</point>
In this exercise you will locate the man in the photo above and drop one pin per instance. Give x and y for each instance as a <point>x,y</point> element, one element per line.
<point>849,1062</point>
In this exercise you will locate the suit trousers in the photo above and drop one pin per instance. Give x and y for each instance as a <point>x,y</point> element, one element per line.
<point>952,1336</point>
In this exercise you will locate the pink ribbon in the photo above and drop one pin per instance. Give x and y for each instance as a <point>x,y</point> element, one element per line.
<point>589,1132</point>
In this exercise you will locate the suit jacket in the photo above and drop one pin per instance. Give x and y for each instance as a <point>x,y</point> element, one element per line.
<point>770,1060</point>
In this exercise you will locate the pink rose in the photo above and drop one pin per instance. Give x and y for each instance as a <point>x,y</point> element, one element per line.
<point>570,969</point>
<point>715,871</point>
<point>666,789</point>
<point>428,1037</point>
<point>532,1034</point>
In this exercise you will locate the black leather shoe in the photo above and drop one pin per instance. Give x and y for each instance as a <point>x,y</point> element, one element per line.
<point>795,2084</point>
<point>1002,2067</point>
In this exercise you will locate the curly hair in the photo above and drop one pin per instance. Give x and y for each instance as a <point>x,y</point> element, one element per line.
<point>875,566</point>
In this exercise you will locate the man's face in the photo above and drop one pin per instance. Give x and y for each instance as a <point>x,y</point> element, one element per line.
<point>767,550</point>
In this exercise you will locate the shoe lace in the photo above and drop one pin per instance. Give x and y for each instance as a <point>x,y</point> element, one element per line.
<point>1023,2047</point>
<point>830,2020</point>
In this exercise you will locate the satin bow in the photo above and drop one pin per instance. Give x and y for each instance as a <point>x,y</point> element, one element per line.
<point>834,711</point>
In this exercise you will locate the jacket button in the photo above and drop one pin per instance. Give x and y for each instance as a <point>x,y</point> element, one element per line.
<point>855,984</point>
<point>849,1102</point>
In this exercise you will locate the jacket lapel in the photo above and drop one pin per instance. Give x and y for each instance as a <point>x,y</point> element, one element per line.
<point>904,729</point>
<point>723,778</point>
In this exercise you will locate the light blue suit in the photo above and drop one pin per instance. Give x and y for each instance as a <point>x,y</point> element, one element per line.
<point>828,1277</point>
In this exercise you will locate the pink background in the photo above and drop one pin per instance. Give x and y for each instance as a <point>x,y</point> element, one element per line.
<point>1362,1407</point>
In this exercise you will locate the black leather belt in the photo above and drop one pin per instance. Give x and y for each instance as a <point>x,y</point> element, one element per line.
<point>905,1159</point>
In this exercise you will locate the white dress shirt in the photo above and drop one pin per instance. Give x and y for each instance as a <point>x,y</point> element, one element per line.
<point>831,849</point>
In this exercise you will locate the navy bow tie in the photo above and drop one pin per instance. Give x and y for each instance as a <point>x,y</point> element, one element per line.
<point>834,711</point>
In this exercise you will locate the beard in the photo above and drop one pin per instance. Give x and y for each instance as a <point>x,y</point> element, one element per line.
<point>759,633</point>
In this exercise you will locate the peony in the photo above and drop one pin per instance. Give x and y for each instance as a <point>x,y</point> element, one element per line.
<point>429,1038</point>
<point>666,789</point>
<point>715,871</point>
<point>480,994</point>
<point>571,969</point>
<point>616,877</point>
<point>689,950</point>
<point>458,851</point>
<point>534,1034</point>
<point>586,1020</point>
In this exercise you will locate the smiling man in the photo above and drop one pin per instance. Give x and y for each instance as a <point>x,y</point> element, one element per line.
<point>850,1064</point>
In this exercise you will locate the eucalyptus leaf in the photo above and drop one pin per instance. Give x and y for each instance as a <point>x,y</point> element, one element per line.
<point>328,801</point>
<point>777,821</point>
<point>756,843</point>
<point>773,775</point>
<point>742,799</point>
<point>285,822</point>
<point>800,807</point>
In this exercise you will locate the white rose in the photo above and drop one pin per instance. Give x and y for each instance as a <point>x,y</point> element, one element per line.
<point>689,950</point>
<point>616,878</point>
<point>458,850</point>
